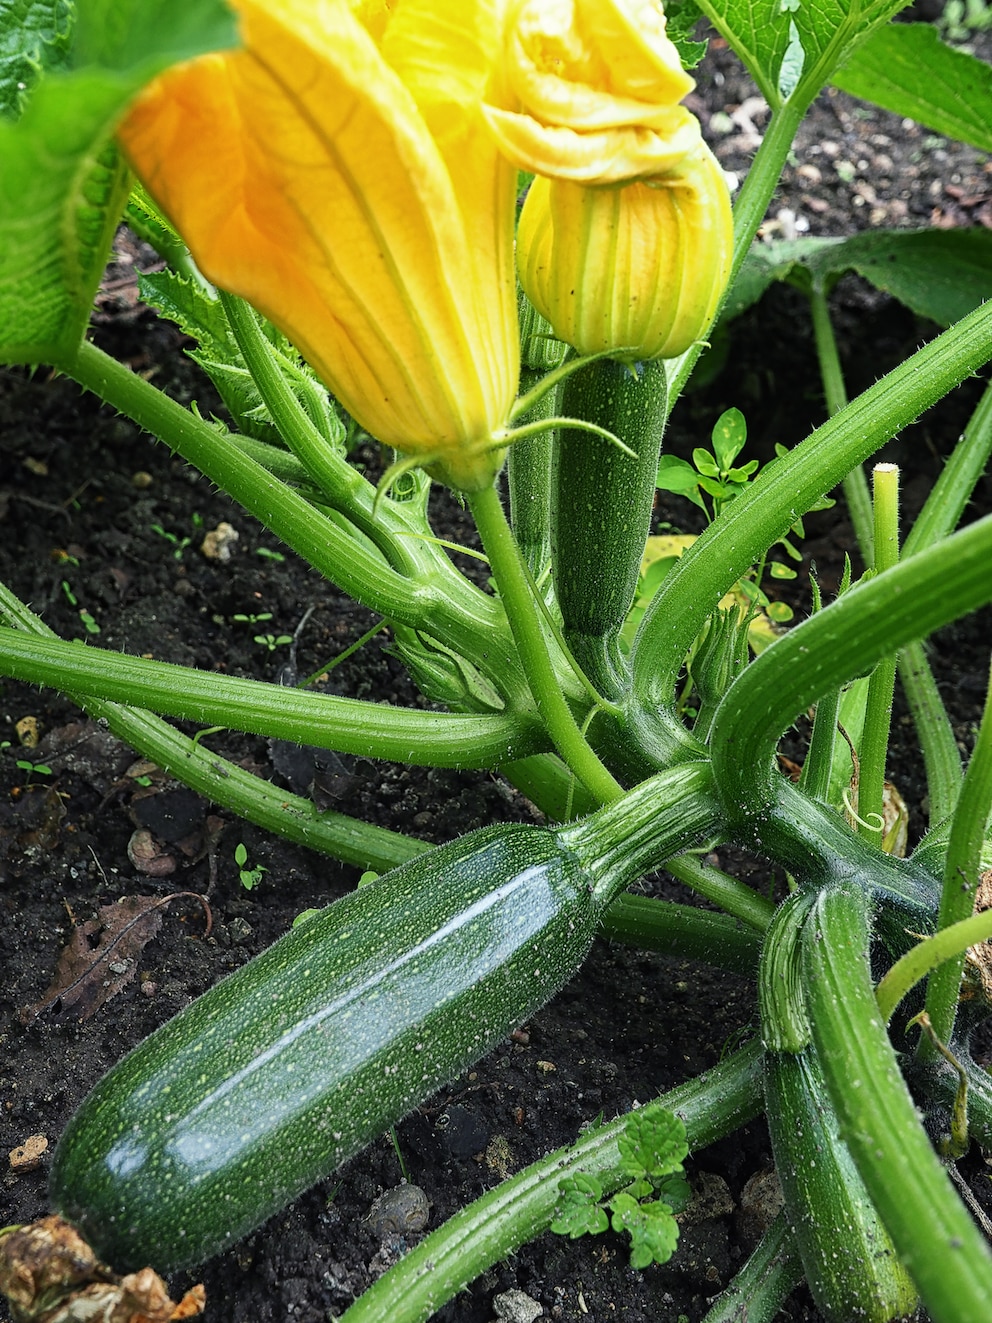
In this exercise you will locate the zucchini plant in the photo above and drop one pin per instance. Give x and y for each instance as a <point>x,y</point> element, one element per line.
<point>333,190</point>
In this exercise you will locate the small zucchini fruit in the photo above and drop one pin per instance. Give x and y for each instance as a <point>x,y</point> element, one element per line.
<point>601,507</point>
<point>299,1059</point>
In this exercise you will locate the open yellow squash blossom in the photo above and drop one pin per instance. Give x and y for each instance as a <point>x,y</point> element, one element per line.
<point>348,172</point>
<point>625,238</point>
<point>337,172</point>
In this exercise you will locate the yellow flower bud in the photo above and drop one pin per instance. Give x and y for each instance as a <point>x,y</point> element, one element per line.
<point>598,85</point>
<point>337,172</point>
<point>638,269</point>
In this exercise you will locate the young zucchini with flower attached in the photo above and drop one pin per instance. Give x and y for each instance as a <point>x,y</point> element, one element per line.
<point>297,1061</point>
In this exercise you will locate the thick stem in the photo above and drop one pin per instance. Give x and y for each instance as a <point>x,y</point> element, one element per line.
<point>519,1209</point>
<point>883,614</point>
<point>527,625</point>
<point>659,818</point>
<point>347,725</point>
<point>961,869</point>
<point>932,1231</point>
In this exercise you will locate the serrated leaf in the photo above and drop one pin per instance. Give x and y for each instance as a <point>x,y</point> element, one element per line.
<point>34,36</point>
<point>653,1142</point>
<point>681,21</point>
<point>953,98</point>
<point>653,1231</point>
<point>578,1212</point>
<point>763,32</point>
<point>62,182</point>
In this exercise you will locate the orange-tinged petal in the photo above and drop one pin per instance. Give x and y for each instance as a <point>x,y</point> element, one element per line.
<point>304,177</point>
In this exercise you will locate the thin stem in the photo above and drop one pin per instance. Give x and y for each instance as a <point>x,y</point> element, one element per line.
<point>961,869</point>
<point>446,604</point>
<point>855,483</point>
<point>881,686</point>
<point>941,757</point>
<point>734,897</point>
<point>749,211</point>
<point>684,931</point>
<point>762,1286</point>
<point>343,486</point>
<point>230,786</point>
<point>519,1209</point>
<point>526,624</point>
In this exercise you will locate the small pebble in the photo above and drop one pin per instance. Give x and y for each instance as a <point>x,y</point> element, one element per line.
<point>516,1307</point>
<point>27,1156</point>
<point>401,1211</point>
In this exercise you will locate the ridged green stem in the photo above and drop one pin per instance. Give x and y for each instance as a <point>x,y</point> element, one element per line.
<point>785,491</point>
<point>227,784</point>
<point>881,686</point>
<point>529,634</point>
<point>347,725</point>
<point>933,1233</point>
<point>760,1289</point>
<point>941,757</point>
<point>528,479</point>
<point>519,1209</point>
<point>962,867</point>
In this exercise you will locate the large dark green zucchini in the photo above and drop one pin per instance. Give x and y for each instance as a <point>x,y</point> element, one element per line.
<point>297,1061</point>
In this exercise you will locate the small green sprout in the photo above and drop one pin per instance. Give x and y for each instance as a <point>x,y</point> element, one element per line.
<point>179,544</point>
<point>249,877</point>
<point>652,1148</point>
<point>273,641</point>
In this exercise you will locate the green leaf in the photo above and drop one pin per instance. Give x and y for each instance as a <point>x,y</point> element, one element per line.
<point>653,1231</point>
<point>653,1142</point>
<point>705,463</point>
<point>939,274</point>
<point>578,1213</point>
<point>953,98</point>
<point>681,21</point>
<point>34,36</point>
<point>729,438</point>
<point>62,182</point>
<point>777,38</point>
<point>676,475</point>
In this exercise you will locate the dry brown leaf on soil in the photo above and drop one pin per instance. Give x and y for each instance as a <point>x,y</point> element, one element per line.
<point>49,1274</point>
<point>101,957</point>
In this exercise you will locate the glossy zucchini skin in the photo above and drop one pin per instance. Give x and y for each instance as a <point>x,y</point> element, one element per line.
<point>601,508</point>
<point>299,1059</point>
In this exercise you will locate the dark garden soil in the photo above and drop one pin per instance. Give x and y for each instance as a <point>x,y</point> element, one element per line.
<point>99,524</point>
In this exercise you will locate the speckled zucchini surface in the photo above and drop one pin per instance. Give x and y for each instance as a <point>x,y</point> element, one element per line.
<point>298,1060</point>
